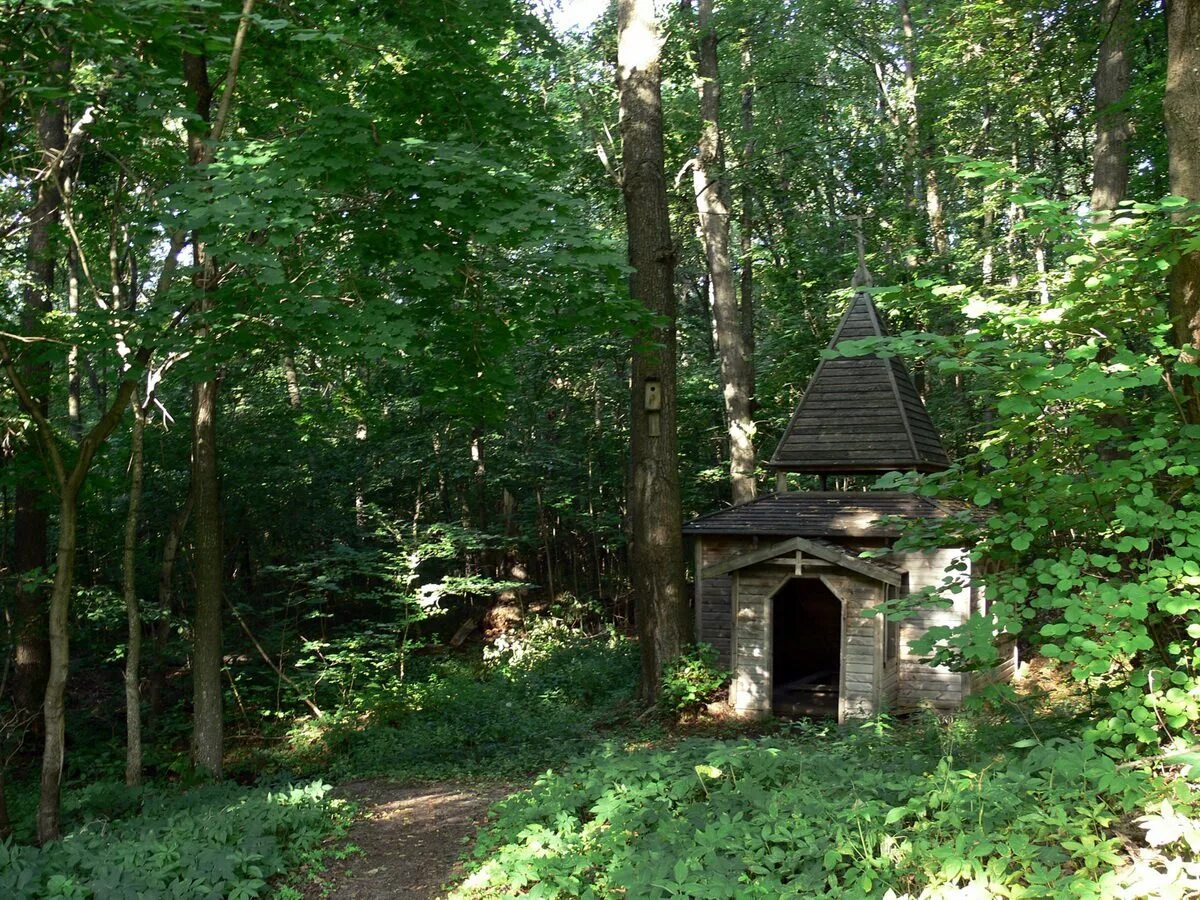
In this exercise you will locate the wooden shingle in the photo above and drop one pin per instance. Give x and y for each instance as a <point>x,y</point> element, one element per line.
<point>821,514</point>
<point>860,413</point>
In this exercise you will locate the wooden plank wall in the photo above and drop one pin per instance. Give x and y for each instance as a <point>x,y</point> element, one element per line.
<point>752,589</point>
<point>714,596</point>
<point>921,684</point>
<point>862,645</point>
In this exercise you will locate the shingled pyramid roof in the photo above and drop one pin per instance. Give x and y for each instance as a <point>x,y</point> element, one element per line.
<point>860,413</point>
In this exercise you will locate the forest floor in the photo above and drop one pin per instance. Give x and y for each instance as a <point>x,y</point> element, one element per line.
<point>410,838</point>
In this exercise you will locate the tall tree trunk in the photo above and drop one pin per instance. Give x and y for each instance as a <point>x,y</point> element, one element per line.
<point>5,820</point>
<point>207,561</point>
<point>1110,157</point>
<point>746,235</point>
<point>208,556</point>
<point>133,650</point>
<point>207,712</point>
<point>712,204</point>
<point>920,145</point>
<point>74,382</point>
<point>31,648</point>
<point>1181,105</point>
<point>656,541</point>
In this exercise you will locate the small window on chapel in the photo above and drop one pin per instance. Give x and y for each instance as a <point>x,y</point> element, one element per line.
<point>891,644</point>
<point>891,634</point>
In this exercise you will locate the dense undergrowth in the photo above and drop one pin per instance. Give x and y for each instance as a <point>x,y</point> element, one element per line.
<point>531,700</point>
<point>221,840</point>
<point>926,809</point>
<point>1014,806</point>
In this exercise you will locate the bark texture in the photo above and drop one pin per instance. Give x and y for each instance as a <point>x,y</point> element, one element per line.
<point>746,235</point>
<point>1110,156</point>
<point>207,552</point>
<point>1181,105</point>
<point>714,208</point>
<point>656,542</point>
<point>133,647</point>
<point>31,518</point>
<point>207,559</point>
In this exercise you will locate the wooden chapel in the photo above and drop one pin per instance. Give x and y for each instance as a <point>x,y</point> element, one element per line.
<point>780,586</point>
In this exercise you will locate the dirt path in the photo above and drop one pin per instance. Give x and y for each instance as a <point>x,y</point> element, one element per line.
<point>410,837</point>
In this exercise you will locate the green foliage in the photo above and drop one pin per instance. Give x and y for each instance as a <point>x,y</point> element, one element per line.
<point>821,813</point>
<point>1087,513</point>
<point>535,700</point>
<point>216,840</point>
<point>692,679</point>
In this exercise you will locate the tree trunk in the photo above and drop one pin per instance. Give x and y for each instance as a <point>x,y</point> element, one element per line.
<point>207,713</point>
<point>69,485</point>
<point>31,649</point>
<point>293,382</point>
<point>746,236</point>
<point>133,651</point>
<point>712,204</point>
<point>5,820</point>
<point>1110,157</point>
<point>919,142</point>
<point>166,605</point>
<point>656,542</point>
<point>1181,105</point>
<point>207,563</point>
<point>208,557</point>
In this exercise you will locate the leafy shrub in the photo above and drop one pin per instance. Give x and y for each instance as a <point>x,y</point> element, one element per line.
<point>533,701</point>
<point>820,814</point>
<point>1085,482</point>
<point>692,679</point>
<point>213,841</point>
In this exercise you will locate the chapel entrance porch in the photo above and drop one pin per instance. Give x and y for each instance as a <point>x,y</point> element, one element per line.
<point>806,649</point>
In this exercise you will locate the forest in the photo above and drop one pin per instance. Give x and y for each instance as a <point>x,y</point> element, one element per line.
<point>376,378</point>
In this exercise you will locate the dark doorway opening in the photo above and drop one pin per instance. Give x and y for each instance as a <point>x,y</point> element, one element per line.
<point>806,649</point>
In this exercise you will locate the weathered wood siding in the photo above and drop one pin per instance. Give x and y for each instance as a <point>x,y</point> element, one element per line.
<point>862,645</point>
<point>734,614</point>
<point>714,596</point>
<point>1005,671</point>
<point>752,590</point>
<point>716,617</point>
<point>921,684</point>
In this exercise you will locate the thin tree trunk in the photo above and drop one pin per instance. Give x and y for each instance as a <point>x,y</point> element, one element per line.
<point>712,204</point>
<point>987,237</point>
<point>166,605</point>
<point>293,382</point>
<point>133,652</point>
<point>1181,105</point>
<point>31,647</point>
<point>207,562</point>
<point>920,145</point>
<point>1110,157</point>
<point>656,544</point>
<point>70,482</point>
<point>5,819</point>
<point>74,382</point>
